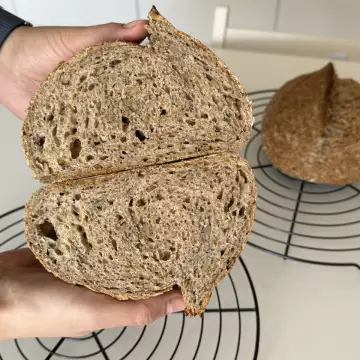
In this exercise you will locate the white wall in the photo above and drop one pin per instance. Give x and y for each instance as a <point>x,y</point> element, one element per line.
<point>335,18</point>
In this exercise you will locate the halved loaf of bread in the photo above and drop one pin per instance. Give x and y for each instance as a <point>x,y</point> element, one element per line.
<point>139,233</point>
<point>118,106</point>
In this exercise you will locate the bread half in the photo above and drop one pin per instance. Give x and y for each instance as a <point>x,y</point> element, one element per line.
<point>139,233</point>
<point>117,106</point>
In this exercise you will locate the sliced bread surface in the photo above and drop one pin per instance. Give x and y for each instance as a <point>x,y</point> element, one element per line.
<point>118,106</point>
<point>139,233</point>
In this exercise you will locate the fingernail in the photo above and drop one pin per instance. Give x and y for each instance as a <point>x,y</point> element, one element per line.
<point>176,304</point>
<point>132,24</point>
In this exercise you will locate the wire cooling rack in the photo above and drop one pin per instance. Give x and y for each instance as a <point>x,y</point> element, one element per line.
<point>311,223</point>
<point>230,328</point>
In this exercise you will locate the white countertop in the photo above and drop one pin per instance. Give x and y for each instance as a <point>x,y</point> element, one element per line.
<point>306,311</point>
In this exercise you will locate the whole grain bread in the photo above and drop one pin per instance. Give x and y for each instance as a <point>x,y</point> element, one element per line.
<point>139,233</point>
<point>117,106</point>
<point>311,128</point>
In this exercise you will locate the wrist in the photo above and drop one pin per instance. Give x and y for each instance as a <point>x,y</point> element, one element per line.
<point>5,308</point>
<point>9,24</point>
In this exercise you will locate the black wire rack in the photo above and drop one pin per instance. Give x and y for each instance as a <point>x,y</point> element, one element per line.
<point>298,220</point>
<point>230,328</point>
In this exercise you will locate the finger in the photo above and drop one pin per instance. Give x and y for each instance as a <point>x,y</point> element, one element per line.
<point>135,312</point>
<point>73,39</point>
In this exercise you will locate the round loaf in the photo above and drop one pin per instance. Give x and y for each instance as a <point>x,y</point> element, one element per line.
<point>311,128</point>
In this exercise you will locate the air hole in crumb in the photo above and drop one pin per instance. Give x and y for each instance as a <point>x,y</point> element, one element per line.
<point>159,197</point>
<point>131,202</point>
<point>91,86</point>
<point>234,213</point>
<point>140,135</point>
<point>77,197</point>
<point>50,117</point>
<point>113,136</point>
<point>115,62</point>
<point>164,256</point>
<point>222,252</point>
<point>229,205</point>
<point>73,131</point>
<point>201,209</point>
<point>157,220</point>
<point>41,141</point>
<point>209,77</point>
<point>204,116</point>
<point>103,157</point>
<point>190,122</point>
<point>47,229</point>
<point>125,120</point>
<point>75,148</point>
<point>243,175</point>
<point>242,211</point>
<point>89,158</point>
<point>82,78</point>
<point>163,112</point>
<point>114,244</point>
<point>58,252</point>
<point>187,200</point>
<point>141,202</point>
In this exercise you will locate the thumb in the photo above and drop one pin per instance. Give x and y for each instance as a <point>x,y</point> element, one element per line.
<point>75,39</point>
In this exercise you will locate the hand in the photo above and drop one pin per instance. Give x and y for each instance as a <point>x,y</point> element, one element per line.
<point>29,54</point>
<point>33,303</point>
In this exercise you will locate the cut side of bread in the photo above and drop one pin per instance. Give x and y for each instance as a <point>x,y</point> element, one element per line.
<point>118,106</point>
<point>139,233</point>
